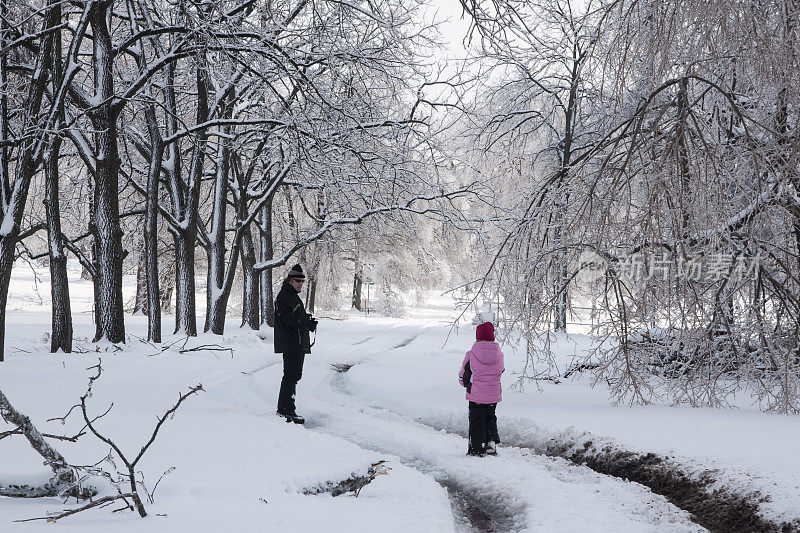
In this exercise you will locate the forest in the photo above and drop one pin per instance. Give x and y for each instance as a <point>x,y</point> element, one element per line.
<point>203,145</point>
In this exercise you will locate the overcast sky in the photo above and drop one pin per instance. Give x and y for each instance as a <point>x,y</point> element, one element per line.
<point>454,29</point>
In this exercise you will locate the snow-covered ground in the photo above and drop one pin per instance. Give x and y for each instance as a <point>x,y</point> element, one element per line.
<point>240,467</point>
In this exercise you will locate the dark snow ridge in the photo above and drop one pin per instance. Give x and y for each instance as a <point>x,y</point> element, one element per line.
<point>352,484</point>
<point>342,367</point>
<point>715,508</point>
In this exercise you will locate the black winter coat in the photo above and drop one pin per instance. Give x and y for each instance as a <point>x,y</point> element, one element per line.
<point>292,324</point>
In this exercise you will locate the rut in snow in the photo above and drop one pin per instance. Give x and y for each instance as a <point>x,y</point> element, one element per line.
<point>714,508</point>
<point>479,514</point>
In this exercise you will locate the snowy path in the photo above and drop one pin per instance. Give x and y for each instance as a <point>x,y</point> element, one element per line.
<point>517,490</point>
<point>521,490</point>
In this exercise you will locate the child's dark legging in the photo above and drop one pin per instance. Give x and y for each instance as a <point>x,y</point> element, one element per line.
<point>482,425</point>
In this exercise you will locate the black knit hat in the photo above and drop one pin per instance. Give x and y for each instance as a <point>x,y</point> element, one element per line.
<point>296,272</point>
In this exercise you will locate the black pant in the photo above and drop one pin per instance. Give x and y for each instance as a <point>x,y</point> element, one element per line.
<point>292,372</point>
<point>482,425</point>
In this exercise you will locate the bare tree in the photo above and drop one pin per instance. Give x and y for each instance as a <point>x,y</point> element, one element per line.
<point>691,162</point>
<point>35,119</point>
<point>61,337</point>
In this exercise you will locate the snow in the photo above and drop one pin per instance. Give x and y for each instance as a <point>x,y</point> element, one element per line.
<point>240,467</point>
<point>7,225</point>
<point>226,459</point>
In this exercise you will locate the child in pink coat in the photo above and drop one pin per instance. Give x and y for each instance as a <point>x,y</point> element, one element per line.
<point>480,374</point>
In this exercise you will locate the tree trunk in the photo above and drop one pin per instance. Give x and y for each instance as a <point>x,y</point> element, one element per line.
<point>559,270</point>
<point>105,218</point>
<point>560,318</point>
<point>185,208</point>
<point>215,315</point>
<point>61,338</point>
<point>216,295</point>
<point>315,262</point>
<point>87,250</point>
<point>682,154</point>
<point>266,295</point>
<point>61,313</point>
<point>95,288</point>
<point>167,285</point>
<point>151,228</point>
<point>5,177</point>
<point>358,282</point>
<point>560,278</point>
<point>215,310</point>
<point>7,245</point>
<point>185,315</point>
<point>140,303</point>
<point>13,210</point>
<point>312,292</point>
<point>250,303</point>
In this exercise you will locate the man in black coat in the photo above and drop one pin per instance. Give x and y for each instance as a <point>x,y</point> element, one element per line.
<point>292,339</point>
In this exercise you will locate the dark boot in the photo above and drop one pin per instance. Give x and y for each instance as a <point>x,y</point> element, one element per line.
<point>292,417</point>
<point>475,451</point>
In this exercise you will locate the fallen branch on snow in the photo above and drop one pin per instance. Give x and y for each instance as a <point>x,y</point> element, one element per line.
<point>353,484</point>
<point>64,480</point>
<point>213,348</point>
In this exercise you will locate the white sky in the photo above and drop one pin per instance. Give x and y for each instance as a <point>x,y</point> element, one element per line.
<point>454,30</point>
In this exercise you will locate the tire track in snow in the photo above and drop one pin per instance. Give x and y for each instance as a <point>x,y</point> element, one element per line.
<point>405,342</point>
<point>344,364</point>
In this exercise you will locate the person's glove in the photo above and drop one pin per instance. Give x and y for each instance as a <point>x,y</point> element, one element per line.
<point>312,323</point>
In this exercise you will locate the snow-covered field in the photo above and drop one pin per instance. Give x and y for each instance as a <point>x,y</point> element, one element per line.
<point>239,467</point>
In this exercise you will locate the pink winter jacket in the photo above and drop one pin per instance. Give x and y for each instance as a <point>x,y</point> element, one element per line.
<point>480,372</point>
